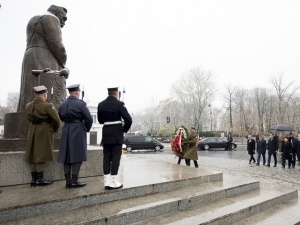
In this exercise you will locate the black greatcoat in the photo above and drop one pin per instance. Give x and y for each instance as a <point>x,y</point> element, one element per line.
<point>251,146</point>
<point>73,144</point>
<point>111,110</point>
<point>272,146</point>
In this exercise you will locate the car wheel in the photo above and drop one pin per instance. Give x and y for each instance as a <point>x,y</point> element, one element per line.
<point>157,148</point>
<point>206,147</point>
<point>128,149</point>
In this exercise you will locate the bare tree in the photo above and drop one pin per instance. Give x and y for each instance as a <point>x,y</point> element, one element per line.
<point>3,111</point>
<point>229,103</point>
<point>194,90</point>
<point>12,101</point>
<point>260,101</point>
<point>283,94</point>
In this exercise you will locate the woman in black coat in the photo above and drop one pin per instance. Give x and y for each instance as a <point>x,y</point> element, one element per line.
<point>251,148</point>
<point>286,152</point>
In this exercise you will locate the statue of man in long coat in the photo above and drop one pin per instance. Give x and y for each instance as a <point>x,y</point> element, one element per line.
<point>44,50</point>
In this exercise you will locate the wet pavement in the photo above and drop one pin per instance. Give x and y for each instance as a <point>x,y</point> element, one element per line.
<point>237,163</point>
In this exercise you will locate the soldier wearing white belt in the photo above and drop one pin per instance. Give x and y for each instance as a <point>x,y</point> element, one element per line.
<point>111,111</point>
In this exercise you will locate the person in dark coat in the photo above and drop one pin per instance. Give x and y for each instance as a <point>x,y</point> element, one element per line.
<point>229,141</point>
<point>286,152</point>
<point>272,149</point>
<point>251,148</point>
<point>293,141</point>
<point>73,145</point>
<point>44,49</point>
<point>261,146</point>
<point>39,146</point>
<point>111,111</point>
<point>297,146</point>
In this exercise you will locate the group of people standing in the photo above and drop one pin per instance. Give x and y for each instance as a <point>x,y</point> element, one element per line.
<point>288,147</point>
<point>77,121</point>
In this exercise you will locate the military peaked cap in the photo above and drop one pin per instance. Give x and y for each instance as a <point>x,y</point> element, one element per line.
<point>113,89</point>
<point>40,89</point>
<point>74,87</point>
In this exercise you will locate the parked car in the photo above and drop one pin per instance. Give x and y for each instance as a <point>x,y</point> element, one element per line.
<point>166,141</point>
<point>215,142</point>
<point>142,142</point>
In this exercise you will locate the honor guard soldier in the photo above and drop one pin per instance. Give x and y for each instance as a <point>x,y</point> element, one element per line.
<point>73,145</point>
<point>39,146</point>
<point>111,111</point>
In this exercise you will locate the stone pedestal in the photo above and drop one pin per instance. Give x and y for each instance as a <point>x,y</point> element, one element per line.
<point>16,126</point>
<point>14,170</point>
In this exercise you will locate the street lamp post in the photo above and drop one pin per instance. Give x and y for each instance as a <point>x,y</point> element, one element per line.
<point>210,117</point>
<point>123,97</point>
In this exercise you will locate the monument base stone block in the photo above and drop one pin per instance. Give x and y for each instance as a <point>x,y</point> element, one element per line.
<point>14,170</point>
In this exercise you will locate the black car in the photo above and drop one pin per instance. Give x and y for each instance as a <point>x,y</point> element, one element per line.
<point>142,142</point>
<point>214,142</point>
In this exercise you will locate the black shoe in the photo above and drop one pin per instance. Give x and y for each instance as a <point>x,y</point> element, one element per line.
<point>249,162</point>
<point>268,165</point>
<point>274,165</point>
<point>75,183</point>
<point>40,181</point>
<point>264,164</point>
<point>257,164</point>
<point>283,167</point>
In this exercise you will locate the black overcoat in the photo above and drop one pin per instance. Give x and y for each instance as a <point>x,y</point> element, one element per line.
<point>73,144</point>
<point>251,146</point>
<point>261,146</point>
<point>112,110</point>
<point>272,146</point>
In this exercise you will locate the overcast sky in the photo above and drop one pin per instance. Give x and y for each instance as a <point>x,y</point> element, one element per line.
<point>145,45</point>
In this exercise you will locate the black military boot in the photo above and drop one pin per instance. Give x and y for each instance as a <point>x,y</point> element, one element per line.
<point>40,181</point>
<point>75,183</point>
<point>33,178</point>
<point>68,179</point>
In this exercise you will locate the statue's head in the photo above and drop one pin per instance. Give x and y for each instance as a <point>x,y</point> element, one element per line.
<point>60,13</point>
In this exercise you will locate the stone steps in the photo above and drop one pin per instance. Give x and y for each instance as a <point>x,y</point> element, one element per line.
<point>154,192</point>
<point>287,214</point>
<point>242,208</point>
<point>126,211</point>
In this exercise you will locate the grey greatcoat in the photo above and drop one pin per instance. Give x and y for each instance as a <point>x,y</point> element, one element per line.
<point>44,50</point>
<point>77,122</point>
<point>44,121</point>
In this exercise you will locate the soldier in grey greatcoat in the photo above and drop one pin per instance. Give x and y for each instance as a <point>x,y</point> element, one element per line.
<point>44,50</point>
<point>39,146</point>
<point>73,145</point>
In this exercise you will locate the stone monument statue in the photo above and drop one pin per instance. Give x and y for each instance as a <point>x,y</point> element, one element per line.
<point>44,50</point>
<point>43,64</point>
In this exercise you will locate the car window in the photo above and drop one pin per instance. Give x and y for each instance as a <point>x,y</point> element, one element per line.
<point>148,139</point>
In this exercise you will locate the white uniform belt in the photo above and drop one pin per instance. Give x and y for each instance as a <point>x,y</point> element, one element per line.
<point>113,122</point>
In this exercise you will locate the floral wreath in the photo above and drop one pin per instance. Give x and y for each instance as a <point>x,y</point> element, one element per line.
<point>180,141</point>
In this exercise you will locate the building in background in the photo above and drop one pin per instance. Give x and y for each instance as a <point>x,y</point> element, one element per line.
<point>95,134</point>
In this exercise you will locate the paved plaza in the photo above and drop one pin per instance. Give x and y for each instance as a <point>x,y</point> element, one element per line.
<point>237,163</point>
